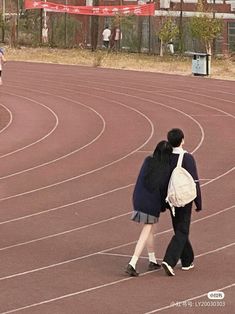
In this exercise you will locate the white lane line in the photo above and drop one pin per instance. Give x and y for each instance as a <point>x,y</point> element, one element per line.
<point>173,304</point>
<point>210,115</point>
<point>219,177</point>
<point>96,169</point>
<point>96,196</point>
<point>67,205</point>
<point>45,136</point>
<point>65,232</point>
<point>10,120</point>
<point>169,230</point>
<point>150,101</point>
<point>118,160</point>
<point>74,203</point>
<point>66,155</point>
<point>76,293</point>
<point>106,82</point>
<point>127,106</point>
<point>105,250</point>
<point>167,80</point>
<point>158,258</point>
<point>154,92</point>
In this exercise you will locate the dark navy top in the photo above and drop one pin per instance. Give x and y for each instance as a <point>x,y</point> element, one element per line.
<point>149,202</point>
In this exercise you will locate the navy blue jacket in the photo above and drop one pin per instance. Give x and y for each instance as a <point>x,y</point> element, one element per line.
<point>190,165</point>
<point>149,202</point>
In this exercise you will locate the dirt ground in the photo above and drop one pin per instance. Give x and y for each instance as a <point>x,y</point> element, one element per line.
<point>220,68</point>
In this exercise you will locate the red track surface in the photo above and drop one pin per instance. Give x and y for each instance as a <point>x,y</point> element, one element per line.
<point>72,141</point>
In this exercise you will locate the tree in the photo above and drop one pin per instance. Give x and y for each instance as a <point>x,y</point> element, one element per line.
<point>168,32</point>
<point>205,27</point>
<point>94,28</point>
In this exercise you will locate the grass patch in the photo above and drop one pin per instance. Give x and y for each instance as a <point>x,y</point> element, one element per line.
<point>223,69</point>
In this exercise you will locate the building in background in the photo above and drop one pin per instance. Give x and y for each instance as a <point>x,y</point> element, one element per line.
<point>75,30</point>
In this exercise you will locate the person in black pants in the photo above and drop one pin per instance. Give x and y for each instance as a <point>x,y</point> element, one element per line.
<point>180,247</point>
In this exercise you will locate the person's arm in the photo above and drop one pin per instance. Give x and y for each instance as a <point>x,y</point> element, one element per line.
<point>4,59</point>
<point>190,165</point>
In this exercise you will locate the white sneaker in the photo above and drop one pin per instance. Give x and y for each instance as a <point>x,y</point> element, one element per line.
<point>168,269</point>
<point>188,267</point>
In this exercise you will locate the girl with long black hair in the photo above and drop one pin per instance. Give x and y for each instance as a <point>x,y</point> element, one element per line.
<point>149,201</point>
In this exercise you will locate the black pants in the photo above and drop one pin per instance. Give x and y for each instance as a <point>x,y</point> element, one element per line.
<point>180,246</point>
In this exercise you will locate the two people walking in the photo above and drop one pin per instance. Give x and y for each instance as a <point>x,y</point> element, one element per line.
<point>112,38</point>
<point>149,200</point>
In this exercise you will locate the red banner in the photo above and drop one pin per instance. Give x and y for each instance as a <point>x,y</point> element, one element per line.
<point>143,10</point>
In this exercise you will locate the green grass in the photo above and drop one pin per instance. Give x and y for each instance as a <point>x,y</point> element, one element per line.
<point>223,69</point>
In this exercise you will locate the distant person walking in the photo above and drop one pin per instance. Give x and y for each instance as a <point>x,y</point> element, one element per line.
<point>149,201</point>
<point>170,47</point>
<point>45,34</point>
<point>106,36</point>
<point>116,36</point>
<point>2,61</point>
<point>180,247</point>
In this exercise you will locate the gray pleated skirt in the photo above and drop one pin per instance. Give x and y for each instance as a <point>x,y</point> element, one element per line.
<point>143,218</point>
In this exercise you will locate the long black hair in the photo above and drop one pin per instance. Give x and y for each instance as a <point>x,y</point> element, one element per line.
<point>158,166</point>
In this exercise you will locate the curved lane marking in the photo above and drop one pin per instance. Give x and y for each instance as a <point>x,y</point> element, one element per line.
<point>127,155</point>
<point>76,293</point>
<point>96,169</point>
<point>10,120</point>
<point>105,250</point>
<point>61,157</point>
<point>41,139</point>
<point>164,88</point>
<point>107,192</point>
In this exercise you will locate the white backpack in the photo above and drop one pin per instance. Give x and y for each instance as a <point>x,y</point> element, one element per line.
<point>181,187</point>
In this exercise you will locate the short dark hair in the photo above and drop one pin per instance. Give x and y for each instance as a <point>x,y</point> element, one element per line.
<point>175,137</point>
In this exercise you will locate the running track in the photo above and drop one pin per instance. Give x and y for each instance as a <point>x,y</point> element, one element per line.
<point>71,143</point>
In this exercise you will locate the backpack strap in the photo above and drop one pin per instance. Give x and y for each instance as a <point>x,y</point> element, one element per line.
<point>180,159</point>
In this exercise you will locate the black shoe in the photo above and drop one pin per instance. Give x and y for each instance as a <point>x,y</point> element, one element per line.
<point>131,271</point>
<point>153,266</point>
<point>168,269</point>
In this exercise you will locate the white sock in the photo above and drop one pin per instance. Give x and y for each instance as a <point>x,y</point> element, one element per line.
<point>133,261</point>
<point>152,257</point>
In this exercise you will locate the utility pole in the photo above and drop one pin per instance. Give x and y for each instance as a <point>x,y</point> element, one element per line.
<point>181,27</point>
<point>214,40</point>
<point>65,26</point>
<point>17,22</point>
<point>3,19</point>
<point>150,28</point>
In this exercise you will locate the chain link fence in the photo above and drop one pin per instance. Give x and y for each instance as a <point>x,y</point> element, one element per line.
<point>139,34</point>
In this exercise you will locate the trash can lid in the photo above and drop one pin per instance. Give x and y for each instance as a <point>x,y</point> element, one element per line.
<point>191,53</point>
